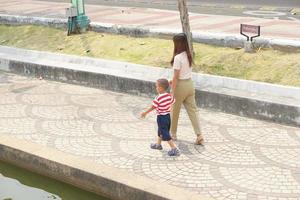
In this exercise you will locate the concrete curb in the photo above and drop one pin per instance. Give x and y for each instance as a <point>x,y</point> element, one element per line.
<point>219,39</point>
<point>246,98</point>
<point>114,183</point>
<point>19,20</point>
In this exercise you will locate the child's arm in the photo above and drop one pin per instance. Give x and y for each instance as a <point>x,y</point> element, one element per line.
<point>143,115</point>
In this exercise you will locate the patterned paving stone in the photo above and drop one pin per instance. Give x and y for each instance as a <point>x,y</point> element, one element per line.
<point>56,112</point>
<point>72,128</point>
<point>113,115</point>
<point>103,101</point>
<point>285,157</point>
<point>139,103</point>
<point>118,162</point>
<point>8,99</point>
<point>268,179</point>
<point>231,120</point>
<point>44,99</point>
<point>275,198</point>
<point>4,89</point>
<point>12,111</point>
<point>146,131</point>
<point>213,134</point>
<point>78,90</point>
<point>243,159</point>
<point>39,138</point>
<point>227,194</point>
<point>297,135</point>
<point>185,174</point>
<point>228,154</point>
<point>17,126</point>
<point>86,147</point>
<point>263,136</point>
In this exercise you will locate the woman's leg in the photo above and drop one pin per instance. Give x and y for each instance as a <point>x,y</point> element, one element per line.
<point>174,118</point>
<point>191,108</point>
<point>180,94</point>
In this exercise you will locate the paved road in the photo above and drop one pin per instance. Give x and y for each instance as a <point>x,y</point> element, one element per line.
<point>242,159</point>
<point>278,3</point>
<point>273,9</point>
<point>155,19</point>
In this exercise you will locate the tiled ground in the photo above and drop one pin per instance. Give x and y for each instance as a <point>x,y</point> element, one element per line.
<point>242,159</point>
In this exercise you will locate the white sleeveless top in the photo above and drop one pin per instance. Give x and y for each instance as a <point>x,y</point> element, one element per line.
<point>181,62</point>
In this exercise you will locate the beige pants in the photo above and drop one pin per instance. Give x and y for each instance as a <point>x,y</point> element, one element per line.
<point>185,94</point>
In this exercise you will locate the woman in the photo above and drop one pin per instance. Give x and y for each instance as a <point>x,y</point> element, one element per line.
<point>183,87</point>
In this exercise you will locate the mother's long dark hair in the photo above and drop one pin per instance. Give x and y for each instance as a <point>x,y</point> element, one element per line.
<point>181,45</point>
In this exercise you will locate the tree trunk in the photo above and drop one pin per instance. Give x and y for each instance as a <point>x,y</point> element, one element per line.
<point>184,17</point>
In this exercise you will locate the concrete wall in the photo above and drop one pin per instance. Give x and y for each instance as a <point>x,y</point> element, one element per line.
<point>246,98</point>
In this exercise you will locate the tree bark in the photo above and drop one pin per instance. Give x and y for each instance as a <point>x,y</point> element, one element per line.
<point>184,17</point>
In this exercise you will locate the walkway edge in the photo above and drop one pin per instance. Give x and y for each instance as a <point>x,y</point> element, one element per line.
<point>103,180</point>
<point>140,80</point>
<point>219,39</point>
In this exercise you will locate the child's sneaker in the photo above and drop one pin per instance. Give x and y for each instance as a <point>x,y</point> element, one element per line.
<point>174,152</point>
<point>156,146</point>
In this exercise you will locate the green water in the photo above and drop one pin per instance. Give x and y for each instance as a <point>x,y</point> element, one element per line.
<point>19,184</point>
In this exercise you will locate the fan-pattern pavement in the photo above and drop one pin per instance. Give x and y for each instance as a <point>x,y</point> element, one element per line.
<point>242,158</point>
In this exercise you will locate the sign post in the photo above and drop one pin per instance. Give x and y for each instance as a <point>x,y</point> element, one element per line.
<point>250,32</point>
<point>77,20</point>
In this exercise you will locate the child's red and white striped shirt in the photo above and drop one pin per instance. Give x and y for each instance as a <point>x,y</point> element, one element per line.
<point>162,103</point>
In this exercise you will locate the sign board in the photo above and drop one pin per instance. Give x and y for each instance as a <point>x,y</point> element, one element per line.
<point>71,12</point>
<point>253,30</point>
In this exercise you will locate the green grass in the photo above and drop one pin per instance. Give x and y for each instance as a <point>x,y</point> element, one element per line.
<point>265,65</point>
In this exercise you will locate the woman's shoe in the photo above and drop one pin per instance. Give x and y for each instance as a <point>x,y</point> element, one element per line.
<point>199,140</point>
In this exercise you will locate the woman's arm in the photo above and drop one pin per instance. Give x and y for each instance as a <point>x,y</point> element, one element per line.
<point>174,80</point>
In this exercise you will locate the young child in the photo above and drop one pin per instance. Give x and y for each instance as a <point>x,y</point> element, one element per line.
<point>162,103</point>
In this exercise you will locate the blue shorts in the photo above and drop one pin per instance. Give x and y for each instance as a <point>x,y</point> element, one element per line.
<point>164,122</point>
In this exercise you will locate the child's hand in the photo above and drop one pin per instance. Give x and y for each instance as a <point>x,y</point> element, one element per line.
<point>170,82</point>
<point>143,114</point>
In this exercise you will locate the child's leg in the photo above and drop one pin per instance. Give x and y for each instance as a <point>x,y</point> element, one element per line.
<point>159,140</point>
<point>157,145</point>
<point>164,127</point>
<point>172,144</point>
<point>174,150</point>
